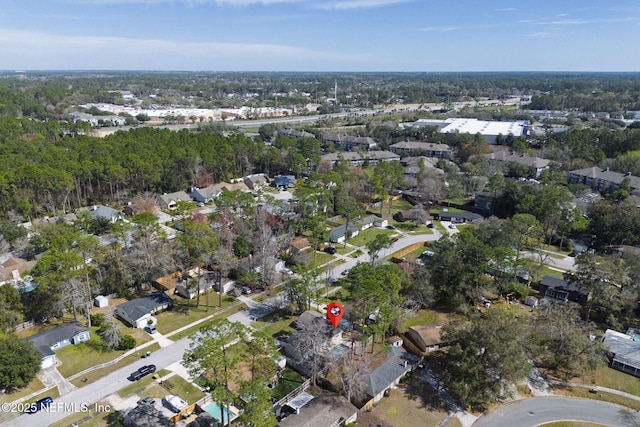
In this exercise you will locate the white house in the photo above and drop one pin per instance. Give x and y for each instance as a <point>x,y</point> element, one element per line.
<point>47,342</point>
<point>170,200</point>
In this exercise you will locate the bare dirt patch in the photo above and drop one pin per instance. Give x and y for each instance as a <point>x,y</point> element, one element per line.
<point>418,404</point>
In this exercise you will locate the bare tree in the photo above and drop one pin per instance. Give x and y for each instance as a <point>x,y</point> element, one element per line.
<point>110,332</point>
<point>309,342</point>
<point>74,294</point>
<point>349,370</point>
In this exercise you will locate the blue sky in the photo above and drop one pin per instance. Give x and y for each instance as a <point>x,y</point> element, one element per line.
<point>319,35</point>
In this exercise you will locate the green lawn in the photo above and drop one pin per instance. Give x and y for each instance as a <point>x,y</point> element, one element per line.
<point>397,205</point>
<point>32,387</point>
<point>193,329</point>
<point>368,235</point>
<point>112,417</point>
<point>184,313</point>
<point>51,392</point>
<point>99,373</point>
<point>289,381</point>
<point>277,328</point>
<point>77,358</point>
<point>142,383</point>
<point>181,387</point>
<point>322,258</point>
<point>424,317</point>
<point>439,226</point>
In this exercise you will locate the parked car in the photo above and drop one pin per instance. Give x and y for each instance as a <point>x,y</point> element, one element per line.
<point>395,239</point>
<point>345,272</point>
<point>330,250</point>
<point>452,226</point>
<point>246,290</point>
<point>40,404</point>
<point>391,227</point>
<point>142,372</point>
<point>147,400</point>
<point>150,329</point>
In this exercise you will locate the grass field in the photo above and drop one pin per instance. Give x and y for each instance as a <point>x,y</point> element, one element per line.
<point>170,320</point>
<point>181,387</point>
<point>193,329</point>
<point>98,416</point>
<point>417,406</point>
<point>142,383</point>
<point>32,387</point>
<point>99,373</point>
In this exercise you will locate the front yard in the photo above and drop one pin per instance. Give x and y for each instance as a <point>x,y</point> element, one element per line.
<point>185,312</point>
<point>417,405</point>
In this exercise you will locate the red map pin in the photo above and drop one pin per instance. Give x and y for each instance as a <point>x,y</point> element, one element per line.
<point>335,311</point>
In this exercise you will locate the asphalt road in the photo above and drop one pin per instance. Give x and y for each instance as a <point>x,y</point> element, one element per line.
<point>88,395</point>
<point>539,410</point>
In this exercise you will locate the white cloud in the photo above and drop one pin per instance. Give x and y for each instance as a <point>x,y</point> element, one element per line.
<point>38,50</point>
<point>357,4</point>
<point>238,3</point>
<point>440,29</point>
<point>541,35</point>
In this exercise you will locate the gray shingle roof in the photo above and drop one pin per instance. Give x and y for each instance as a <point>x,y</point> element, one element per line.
<point>43,341</point>
<point>380,378</point>
<point>136,308</point>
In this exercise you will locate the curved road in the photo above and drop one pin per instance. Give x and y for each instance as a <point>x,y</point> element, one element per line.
<point>539,410</point>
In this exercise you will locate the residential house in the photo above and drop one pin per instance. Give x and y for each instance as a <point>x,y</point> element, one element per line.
<point>226,284</point>
<point>189,290</point>
<point>536,165</point>
<point>256,181</point>
<point>404,216</point>
<point>457,217</point>
<point>384,371</point>
<point>209,193</point>
<point>137,312</point>
<point>369,221</point>
<point>337,235</point>
<point>325,410</point>
<point>284,182</point>
<point>170,200</point>
<point>427,337</point>
<point>430,149</point>
<point>299,244</point>
<point>13,268</point>
<point>47,342</point>
<point>559,290</point>
<point>624,350</point>
<point>483,201</point>
<point>145,415</point>
<point>354,159</point>
<point>237,185</point>
<point>168,283</point>
<point>380,222</point>
<point>208,280</point>
<point>106,212</point>
<point>603,179</point>
<point>325,338</point>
